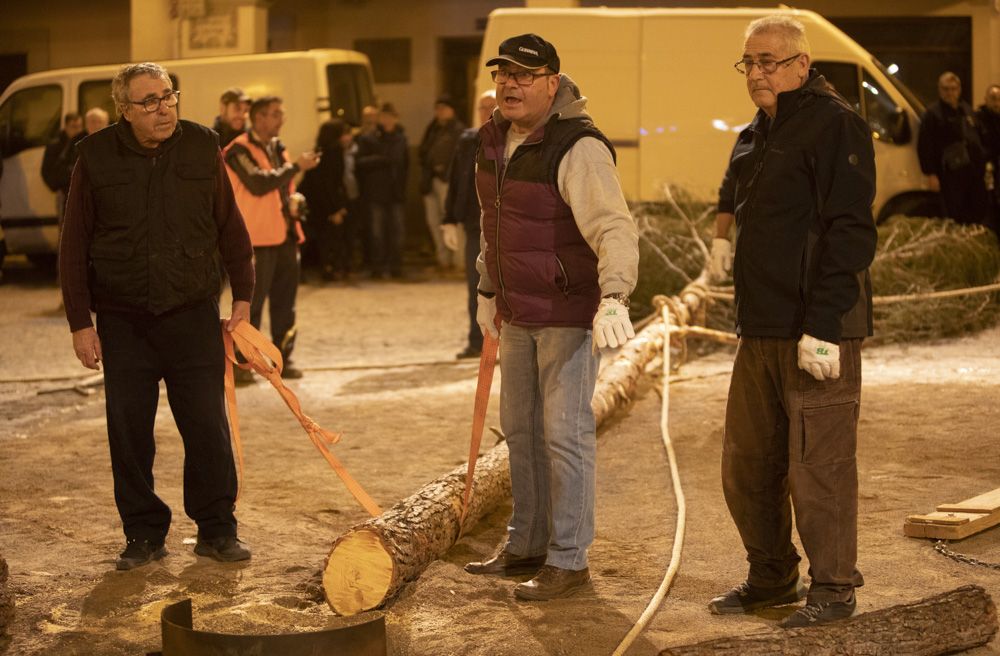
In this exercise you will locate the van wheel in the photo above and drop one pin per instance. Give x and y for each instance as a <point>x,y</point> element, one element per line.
<point>923,204</point>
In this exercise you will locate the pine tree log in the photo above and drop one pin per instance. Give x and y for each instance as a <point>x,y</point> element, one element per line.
<point>6,600</point>
<point>371,563</point>
<point>947,623</point>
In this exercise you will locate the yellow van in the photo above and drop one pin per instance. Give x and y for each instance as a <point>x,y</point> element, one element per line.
<point>315,85</point>
<point>661,85</point>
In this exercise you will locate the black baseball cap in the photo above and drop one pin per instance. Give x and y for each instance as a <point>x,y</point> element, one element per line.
<point>529,51</point>
<point>232,95</point>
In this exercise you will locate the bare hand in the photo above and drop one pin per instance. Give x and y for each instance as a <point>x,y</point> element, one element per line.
<point>241,312</point>
<point>933,182</point>
<point>87,346</point>
<point>308,160</point>
<point>337,218</point>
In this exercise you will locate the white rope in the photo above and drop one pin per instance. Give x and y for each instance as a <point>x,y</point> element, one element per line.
<point>675,558</point>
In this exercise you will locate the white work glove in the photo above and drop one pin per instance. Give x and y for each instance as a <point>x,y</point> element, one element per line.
<point>821,359</point>
<point>720,262</point>
<point>486,312</point>
<point>612,327</point>
<point>449,234</point>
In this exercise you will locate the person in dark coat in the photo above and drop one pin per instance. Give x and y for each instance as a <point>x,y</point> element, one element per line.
<point>232,119</point>
<point>60,157</point>
<point>801,181</point>
<point>988,121</point>
<point>382,162</point>
<point>436,151</point>
<point>323,187</point>
<point>951,154</point>
<point>462,212</point>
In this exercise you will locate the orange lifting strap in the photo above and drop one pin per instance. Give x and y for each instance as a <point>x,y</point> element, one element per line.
<point>263,357</point>
<point>487,363</point>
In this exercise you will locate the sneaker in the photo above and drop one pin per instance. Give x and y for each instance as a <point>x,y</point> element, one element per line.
<point>138,553</point>
<point>820,612</point>
<point>227,549</point>
<point>746,598</point>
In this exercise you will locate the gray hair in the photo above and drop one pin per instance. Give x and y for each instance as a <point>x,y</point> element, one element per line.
<point>127,73</point>
<point>789,29</point>
<point>948,76</point>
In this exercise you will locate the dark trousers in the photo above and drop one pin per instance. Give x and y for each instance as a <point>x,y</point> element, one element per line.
<point>964,195</point>
<point>388,232</point>
<point>789,435</point>
<point>472,279</point>
<point>276,281</point>
<point>184,349</point>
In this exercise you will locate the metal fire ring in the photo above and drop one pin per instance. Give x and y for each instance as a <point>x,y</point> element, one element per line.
<point>180,639</point>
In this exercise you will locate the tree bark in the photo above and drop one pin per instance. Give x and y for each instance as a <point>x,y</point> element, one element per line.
<point>369,564</point>
<point>6,600</point>
<point>950,622</point>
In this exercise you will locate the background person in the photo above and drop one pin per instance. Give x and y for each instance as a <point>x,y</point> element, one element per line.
<point>95,120</point>
<point>436,151</point>
<point>59,158</point>
<point>323,188</point>
<point>144,255</point>
<point>381,162</point>
<point>988,120</point>
<point>232,119</point>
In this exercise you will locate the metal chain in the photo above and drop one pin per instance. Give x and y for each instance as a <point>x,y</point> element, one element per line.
<point>941,547</point>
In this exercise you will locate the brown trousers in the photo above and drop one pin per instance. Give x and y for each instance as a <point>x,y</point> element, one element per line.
<point>788,434</point>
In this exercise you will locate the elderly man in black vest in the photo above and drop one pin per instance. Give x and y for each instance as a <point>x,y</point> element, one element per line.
<point>559,259</point>
<point>149,219</point>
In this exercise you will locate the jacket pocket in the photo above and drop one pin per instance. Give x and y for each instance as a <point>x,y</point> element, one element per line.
<point>111,198</point>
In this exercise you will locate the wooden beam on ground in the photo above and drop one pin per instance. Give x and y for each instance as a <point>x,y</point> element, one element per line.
<point>947,623</point>
<point>955,521</point>
<point>371,563</point>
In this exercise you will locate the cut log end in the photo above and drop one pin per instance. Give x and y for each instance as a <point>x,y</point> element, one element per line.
<point>358,573</point>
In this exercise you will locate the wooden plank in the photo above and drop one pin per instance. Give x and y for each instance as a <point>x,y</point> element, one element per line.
<point>944,519</point>
<point>984,503</point>
<point>972,524</point>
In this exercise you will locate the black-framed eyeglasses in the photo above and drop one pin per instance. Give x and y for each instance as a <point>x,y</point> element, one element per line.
<point>151,105</point>
<point>523,78</point>
<point>766,66</point>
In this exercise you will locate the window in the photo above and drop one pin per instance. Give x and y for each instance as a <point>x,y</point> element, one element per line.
<point>30,118</point>
<point>884,116</point>
<point>350,90</point>
<point>844,78</point>
<point>96,93</point>
<point>390,58</point>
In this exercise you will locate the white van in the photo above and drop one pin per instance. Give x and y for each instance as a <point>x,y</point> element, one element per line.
<point>315,85</point>
<point>662,87</point>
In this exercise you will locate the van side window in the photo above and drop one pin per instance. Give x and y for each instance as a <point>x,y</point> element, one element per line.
<point>844,78</point>
<point>883,114</point>
<point>30,118</point>
<point>96,93</point>
<point>350,90</point>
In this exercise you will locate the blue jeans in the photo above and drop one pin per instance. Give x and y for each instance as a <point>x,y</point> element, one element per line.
<point>547,382</point>
<point>388,231</point>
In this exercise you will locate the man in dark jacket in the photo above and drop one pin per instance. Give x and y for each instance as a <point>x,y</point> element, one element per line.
<point>60,157</point>
<point>951,155</point>
<point>988,120</point>
<point>436,151</point>
<point>801,181</point>
<point>560,256</point>
<point>381,162</point>
<point>150,216</point>
<point>232,119</point>
<point>461,208</point>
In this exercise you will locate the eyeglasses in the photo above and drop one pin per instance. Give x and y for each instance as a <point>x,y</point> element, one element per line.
<point>153,104</point>
<point>766,66</point>
<point>523,78</point>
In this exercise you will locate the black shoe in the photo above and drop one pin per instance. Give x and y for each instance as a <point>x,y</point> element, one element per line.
<point>552,583</point>
<point>504,563</point>
<point>290,372</point>
<point>227,549</point>
<point>469,352</point>
<point>820,612</point>
<point>746,598</point>
<point>138,553</point>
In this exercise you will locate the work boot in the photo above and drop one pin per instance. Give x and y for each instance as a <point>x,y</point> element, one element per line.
<point>551,583</point>
<point>226,549</point>
<point>504,563</point>
<point>746,598</point>
<point>820,612</point>
<point>242,377</point>
<point>138,553</point>
<point>290,372</point>
<point>469,352</point>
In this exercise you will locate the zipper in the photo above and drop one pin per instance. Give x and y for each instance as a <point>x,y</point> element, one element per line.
<point>565,285</point>
<point>497,205</point>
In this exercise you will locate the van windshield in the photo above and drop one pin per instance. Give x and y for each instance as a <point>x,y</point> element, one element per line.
<point>915,103</point>
<point>350,88</point>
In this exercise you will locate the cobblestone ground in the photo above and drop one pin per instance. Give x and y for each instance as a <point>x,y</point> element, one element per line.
<point>379,367</point>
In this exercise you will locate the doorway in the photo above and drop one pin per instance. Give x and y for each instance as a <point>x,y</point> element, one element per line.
<point>459,63</point>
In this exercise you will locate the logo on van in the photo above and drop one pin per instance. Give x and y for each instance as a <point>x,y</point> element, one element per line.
<point>528,50</point>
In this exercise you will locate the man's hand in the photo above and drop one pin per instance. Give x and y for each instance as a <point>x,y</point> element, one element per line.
<point>612,327</point>
<point>307,160</point>
<point>87,346</point>
<point>821,359</point>
<point>721,261</point>
<point>241,312</point>
<point>337,218</point>
<point>933,182</point>
<point>449,234</point>
<point>486,316</point>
